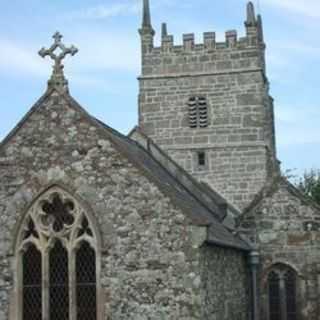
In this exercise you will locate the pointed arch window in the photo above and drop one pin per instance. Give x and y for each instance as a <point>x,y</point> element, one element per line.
<point>57,261</point>
<point>282,293</point>
<point>198,112</point>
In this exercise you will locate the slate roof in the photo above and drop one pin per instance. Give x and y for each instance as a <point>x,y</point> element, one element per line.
<point>218,205</point>
<point>197,210</point>
<point>181,196</point>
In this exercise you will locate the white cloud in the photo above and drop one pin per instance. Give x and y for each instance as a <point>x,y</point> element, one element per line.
<point>124,8</point>
<point>107,51</point>
<point>98,53</point>
<point>282,57</point>
<point>294,114</point>
<point>88,81</point>
<point>308,8</point>
<point>295,47</point>
<point>295,136</point>
<point>20,58</point>
<point>297,125</point>
<point>107,11</point>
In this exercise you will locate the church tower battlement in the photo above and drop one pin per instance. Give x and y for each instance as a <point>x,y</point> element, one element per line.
<point>208,106</point>
<point>194,57</point>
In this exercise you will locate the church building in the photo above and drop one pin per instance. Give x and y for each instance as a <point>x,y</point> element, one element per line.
<point>186,218</point>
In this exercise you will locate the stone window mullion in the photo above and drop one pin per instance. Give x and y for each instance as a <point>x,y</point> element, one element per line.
<point>283,299</point>
<point>45,285</point>
<point>72,286</point>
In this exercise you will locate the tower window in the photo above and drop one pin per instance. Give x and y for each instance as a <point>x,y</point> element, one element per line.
<point>201,159</point>
<point>198,112</point>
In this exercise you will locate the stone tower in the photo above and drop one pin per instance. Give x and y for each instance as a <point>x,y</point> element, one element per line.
<point>208,106</point>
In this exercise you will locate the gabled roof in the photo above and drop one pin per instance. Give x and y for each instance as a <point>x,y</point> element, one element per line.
<point>271,188</point>
<point>189,203</point>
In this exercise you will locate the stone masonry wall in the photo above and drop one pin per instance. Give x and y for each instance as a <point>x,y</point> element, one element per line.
<point>286,228</point>
<point>234,141</point>
<point>210,57</point>
<point>232,300</point>
<point>239,139</point>
<point>150,261</point>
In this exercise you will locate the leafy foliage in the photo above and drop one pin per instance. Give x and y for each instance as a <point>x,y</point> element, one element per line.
<point>309,184</point>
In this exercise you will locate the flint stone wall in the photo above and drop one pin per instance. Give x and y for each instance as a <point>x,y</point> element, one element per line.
<point>150,257</point>
<point>229,298</point>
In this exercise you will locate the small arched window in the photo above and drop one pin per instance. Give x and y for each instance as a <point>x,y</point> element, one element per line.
<point>57,261</point>
<point>198,112</point>
<point>282,293</point>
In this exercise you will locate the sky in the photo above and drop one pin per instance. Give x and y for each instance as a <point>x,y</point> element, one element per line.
<point>103,75</point>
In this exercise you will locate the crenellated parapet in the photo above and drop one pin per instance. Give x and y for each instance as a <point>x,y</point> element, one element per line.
<point>209,42</point>
<point>208,56</point>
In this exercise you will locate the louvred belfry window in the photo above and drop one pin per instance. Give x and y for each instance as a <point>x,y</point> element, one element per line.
<point>282,294</point>
<point>57,261</point>
<point>198,112</point>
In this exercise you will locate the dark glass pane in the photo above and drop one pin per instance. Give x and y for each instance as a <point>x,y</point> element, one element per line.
<point>290,282</point>
<point>86,283</point>
<point>32,278</point>
<point>274,297</point>
<point>59,288</point>
<point>201,159</point>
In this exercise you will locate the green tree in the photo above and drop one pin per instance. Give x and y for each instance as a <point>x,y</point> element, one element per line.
<point>309,184</point>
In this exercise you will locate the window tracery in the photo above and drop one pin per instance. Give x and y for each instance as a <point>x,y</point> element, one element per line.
<point>57,260</point>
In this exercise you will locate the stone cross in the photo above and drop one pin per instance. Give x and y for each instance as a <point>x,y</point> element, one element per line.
<point>57,52</point>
